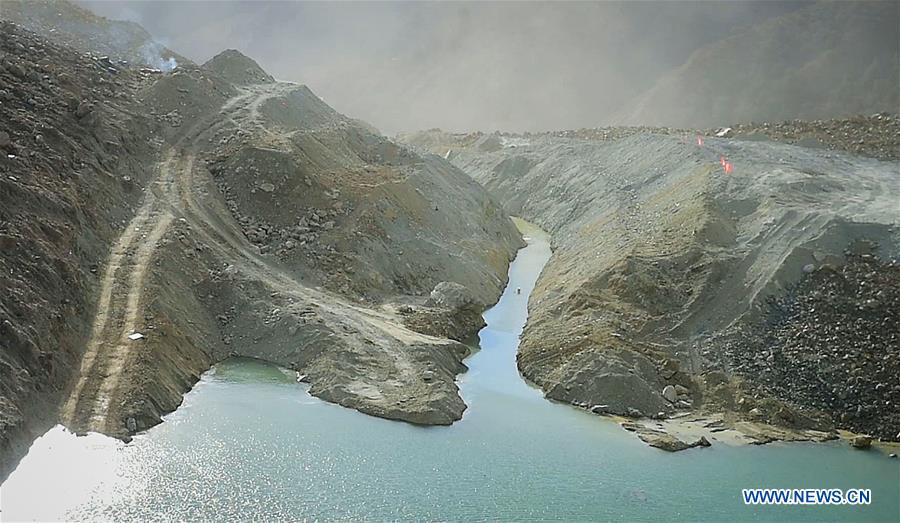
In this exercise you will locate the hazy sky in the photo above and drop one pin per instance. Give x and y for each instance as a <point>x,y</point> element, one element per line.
<point>455,65</point>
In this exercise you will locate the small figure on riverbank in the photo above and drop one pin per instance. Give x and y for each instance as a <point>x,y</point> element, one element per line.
<point>518,290</point>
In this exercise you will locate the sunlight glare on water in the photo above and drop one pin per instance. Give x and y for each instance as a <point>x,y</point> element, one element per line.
<point>250,443</point>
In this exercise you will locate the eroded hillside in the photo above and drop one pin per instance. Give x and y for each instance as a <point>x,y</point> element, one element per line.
<point>660,249</point>
<point>75,154</point>
<point>166,221</point>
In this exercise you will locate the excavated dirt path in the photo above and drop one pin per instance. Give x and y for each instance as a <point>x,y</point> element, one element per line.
<point>122,286</point>
<point>178,192</point>
<point>120,291</point>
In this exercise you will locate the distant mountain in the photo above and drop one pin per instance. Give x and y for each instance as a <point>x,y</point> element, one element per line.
<point>830,59</point>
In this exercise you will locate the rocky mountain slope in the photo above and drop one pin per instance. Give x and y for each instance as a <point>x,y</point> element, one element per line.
<point>155,223</point>
<point>75,154</point>
<point>666,244</point>
<point>78,28</point>
<point>830,59</point>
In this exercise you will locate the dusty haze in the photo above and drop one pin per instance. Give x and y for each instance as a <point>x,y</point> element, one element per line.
<point>458,66</point>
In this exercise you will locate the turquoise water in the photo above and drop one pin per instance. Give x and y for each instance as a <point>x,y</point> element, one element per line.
<point>249,443</point>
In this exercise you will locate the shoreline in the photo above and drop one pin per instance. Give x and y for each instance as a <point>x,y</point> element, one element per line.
<point>685,431</point>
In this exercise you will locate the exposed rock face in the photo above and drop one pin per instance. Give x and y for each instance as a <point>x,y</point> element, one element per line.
<point>861,442</point>
<point>451,311</point>
<point>657,249</point>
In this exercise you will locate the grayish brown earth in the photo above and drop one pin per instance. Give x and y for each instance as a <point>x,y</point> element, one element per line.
<point>217,212</point>
<point>657,250</point>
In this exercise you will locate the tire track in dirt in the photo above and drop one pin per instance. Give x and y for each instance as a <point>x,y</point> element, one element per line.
<point>109,349</point>
<point>92,404</point>
<point>115,319</point>
<point>369,323</point>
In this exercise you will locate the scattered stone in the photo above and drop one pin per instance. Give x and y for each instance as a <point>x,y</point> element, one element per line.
<point>669,394</point>
<point>450,295</point>
<point>861,442</point>
<point>829,345</point>
<point>84,108</point>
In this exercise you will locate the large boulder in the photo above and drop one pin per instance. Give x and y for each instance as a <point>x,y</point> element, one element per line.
<point>861,442</point>
<point>668,442</point>
<point>450,295</point>
<point>451,311</point>
<point>670,394</point>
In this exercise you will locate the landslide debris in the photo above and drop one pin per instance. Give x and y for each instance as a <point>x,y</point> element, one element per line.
<point>215,212</point>
<point>75,155</point>
<point>348,209</point>
<point>658,251</point>
<point>830,343</point>
<point>877,136</point>
<point>874,136</point>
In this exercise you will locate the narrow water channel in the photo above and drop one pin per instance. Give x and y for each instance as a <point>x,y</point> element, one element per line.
<point>249,443</point>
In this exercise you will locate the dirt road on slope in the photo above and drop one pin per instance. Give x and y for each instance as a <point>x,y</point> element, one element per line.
<point>121,288</point>
<point>184,191</point>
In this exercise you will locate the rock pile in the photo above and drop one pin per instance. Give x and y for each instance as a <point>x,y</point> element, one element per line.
<point>282,240</point>
<point>451,311</point>
<point>662,439</point>
<point>832,344</point>
<point>877,135</point>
